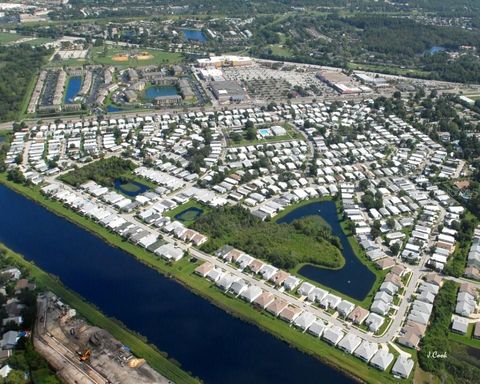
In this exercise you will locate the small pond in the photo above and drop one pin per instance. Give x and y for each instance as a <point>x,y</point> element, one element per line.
<point>194,35</point>
<point>130,188</point>
<point>73,87</point>
<point>189,214</point>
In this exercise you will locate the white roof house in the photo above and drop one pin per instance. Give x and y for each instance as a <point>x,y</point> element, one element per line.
<point>333,335</point>
<point>382,359</point>
<point>349,343</point>
<point>459,324</point>
<point>345,307</point>
<point>305,320</point>
<point>291,282</point>
<point>366,350</point>
<point>251,293</point>
<point>305,288</point>
<point>317,328</point>
<point>403,366</point>
<point>374,321</point>
<point>169,252</point>
<point>317,294</point>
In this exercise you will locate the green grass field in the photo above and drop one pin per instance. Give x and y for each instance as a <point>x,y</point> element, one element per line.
<point>6,37</point>
<point>182,271</point>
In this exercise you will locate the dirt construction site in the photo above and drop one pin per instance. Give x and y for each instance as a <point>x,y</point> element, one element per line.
<point>84,354</point>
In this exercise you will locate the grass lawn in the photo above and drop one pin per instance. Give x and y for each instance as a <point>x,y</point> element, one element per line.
<point>182,271</point>
<point>6,37</point>
<point>280,50</point>
<point>158,57</point>
<point>138,345</point>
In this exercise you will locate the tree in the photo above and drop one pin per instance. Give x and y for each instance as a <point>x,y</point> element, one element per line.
<point>251,133</point>
<point>391,223</point>
<point>15,377</point>
<point>395,248</point>
<point>363,184</point>
<point>16,176</point>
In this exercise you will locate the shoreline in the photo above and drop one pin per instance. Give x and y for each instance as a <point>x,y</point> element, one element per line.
<point>328,355</point>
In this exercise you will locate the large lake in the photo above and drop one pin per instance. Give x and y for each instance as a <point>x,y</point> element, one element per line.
<point>207,341</point>
<point>354,279</point>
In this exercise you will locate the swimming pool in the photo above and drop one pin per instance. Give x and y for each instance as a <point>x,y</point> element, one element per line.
<point>265,132</point>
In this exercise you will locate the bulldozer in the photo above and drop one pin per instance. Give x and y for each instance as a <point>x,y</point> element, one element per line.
<point>85,356</point>
<point>136,363</point>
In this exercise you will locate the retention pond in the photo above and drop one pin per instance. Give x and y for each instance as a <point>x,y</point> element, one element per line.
<point>354,279</point>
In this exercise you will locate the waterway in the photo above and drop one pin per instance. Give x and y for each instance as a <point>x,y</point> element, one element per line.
<point>112,108</point>
<point>73,87</point>
<point>194,35</point>
<point>207,341</point>
<point>354,279</point>
<point>156,91</point>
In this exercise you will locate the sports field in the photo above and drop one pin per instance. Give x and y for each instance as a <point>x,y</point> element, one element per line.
<point>128,57</point>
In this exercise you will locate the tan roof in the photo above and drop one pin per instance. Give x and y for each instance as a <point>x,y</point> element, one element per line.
<point>394,279</point>
<point>386,262</point>
<point>264,299</point>
<point>234,254</point>
<point>21,284</point>
<point>277,306</point>
<point>472,272</point>
<point>255,266</point>
<point>290,313</point>
<point>433,278</point>
<point>398,270</point>
<point>358,315</point>
<point>449,247</point>
<point>203,269</point>
<point>409,339</point>
<point>417,328</point>
<point>279,277</point>
<point>470,288</point>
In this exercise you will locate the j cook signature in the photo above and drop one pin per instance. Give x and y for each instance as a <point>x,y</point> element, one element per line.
<point>436,355</point>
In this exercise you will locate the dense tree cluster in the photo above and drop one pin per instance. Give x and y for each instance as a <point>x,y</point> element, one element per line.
<point>19,65</point>
<point>454,368</point>
<point>283,245</point>
<point>103,171</point>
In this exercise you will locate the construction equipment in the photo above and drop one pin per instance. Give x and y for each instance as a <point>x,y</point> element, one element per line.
<point>136,363</point>
<point>85,356</point>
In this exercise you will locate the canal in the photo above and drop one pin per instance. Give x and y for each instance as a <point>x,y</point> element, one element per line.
<point>354,279</point>
<point>207,341</point>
